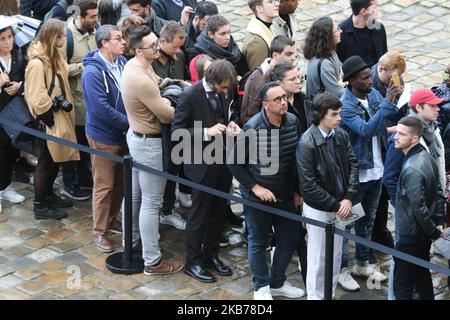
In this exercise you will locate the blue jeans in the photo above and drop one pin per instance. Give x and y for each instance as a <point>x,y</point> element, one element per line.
<point>369,195</point>
<point>259,224</point>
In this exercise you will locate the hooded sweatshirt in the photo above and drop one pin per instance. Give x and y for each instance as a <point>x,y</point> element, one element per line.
<point>106,120</point>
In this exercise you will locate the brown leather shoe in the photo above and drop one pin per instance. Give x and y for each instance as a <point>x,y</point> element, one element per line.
<point>165,266</point>
<point>103,244</point>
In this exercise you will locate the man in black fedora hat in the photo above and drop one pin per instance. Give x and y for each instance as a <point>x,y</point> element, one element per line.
<point>363,116</point>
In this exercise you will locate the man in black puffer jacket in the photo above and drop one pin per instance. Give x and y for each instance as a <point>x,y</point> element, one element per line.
<point>418,217</point>
<point>328,174</point>
<point>269,176</point>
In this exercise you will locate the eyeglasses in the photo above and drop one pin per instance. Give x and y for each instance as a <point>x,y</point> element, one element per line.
<point>117,39</point>
<point>279,99</point>
<point>273,1</point>
<point>154,46</point>
<point>338,29</point>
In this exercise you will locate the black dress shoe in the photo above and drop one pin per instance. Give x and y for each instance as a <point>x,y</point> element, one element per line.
<point>219,267</point>
<point>198,272</point>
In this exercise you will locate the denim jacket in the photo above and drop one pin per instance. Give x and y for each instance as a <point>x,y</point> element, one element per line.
<point>362,127</point>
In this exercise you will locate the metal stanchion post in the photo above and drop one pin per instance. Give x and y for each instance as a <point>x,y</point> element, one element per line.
<point>329,258</point>
<point>126,262</point>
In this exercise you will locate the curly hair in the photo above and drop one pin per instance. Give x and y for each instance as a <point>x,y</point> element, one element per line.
<point>127,25</point>
<point>319,41</point>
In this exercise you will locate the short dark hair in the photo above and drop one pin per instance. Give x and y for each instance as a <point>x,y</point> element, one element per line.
<point>137,35</point>
<point>414,125</point>
<point>319,41</point>
<point>170,30</point>
<point>85,5</point>
<point>220,71</point>
<point>253,3</point>
<point>266,87</point>
<point>279,43</point>
<point>321,103</point>
<point>358,5</point>
<point>6,29</point>
<point>143,3</point>
<point>206,8</point>
<point>279,71</point>
<point>216,22</point>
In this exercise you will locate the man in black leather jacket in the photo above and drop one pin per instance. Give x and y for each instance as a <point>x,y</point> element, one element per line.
<point>418,221</point>
<point>272,183</point>
<point>328,174</point>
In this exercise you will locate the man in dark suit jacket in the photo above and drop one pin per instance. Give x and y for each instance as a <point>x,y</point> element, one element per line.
<point>205,106</point>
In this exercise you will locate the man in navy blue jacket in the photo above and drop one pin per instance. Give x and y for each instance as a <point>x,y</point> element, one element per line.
<point>106,127</point>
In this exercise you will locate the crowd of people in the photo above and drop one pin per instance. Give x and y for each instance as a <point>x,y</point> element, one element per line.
<point>131,77</point>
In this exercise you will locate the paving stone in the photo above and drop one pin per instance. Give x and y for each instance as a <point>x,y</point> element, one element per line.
<point>390,8</point>
<point>50,224</point>
<point>33,287</point>
<point>64,292</point>
<point>437,11</point>
<point>44,255</point>
<point>72,258</point>
<point>124,285</point>
<point>8,282</point>
<point>30,233</point>
<point>3,218</point>
<point>66,245</point>
<point>89,251</point>
<point>406,3</point>
<point>29,273</point>
<point>16,252</point>
<point>3,260</point>
<point>38,243</point>
<point>13,294</point>
<point>58,234</point>
<point>91,281</point>
<point>22,262</point>
<point>5,269</point>
<point>55,278</point>
<point>97,262</point>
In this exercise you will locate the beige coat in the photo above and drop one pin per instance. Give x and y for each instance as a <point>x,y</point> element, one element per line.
<point>257,43</point>
<point>81,46</point>
<point>38,76</point>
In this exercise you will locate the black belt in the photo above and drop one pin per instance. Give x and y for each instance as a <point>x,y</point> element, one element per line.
<point>147,135</point>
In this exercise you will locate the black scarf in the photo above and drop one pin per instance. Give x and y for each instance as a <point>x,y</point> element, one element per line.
<point>206,45</point>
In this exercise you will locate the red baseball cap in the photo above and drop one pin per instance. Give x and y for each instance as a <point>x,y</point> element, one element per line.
<point>424,96</point>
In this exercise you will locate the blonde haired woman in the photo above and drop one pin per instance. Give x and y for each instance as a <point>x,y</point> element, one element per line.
<point>46,67</point>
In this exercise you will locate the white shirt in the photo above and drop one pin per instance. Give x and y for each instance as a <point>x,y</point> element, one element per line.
<point>376,173</point>
<point>6,66</point>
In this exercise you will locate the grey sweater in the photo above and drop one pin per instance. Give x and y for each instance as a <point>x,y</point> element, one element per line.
<point>330,70</point>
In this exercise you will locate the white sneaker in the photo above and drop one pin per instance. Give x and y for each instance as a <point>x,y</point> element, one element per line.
<point>262,294</point>
<point>288,291</point>
<point>375,273</point>
<point>346,281</point>
<point>367,271</point>
<point>9,194</point>
<point>174,220</point>
<point>185,200</point>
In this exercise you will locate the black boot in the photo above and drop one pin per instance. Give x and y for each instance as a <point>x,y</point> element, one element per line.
<point>58,202</point>
<point>42,210</point>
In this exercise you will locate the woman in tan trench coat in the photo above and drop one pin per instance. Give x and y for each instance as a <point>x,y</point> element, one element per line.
<point>45,59</point>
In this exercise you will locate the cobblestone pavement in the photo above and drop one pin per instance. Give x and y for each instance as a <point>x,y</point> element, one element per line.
<point>43,259</point>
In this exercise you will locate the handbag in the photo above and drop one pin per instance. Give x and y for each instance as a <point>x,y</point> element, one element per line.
<point>17,111</point>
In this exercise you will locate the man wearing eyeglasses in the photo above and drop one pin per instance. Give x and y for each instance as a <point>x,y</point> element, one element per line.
<point>271,183</point>
<point>106,126</point>
<point>146,110</point>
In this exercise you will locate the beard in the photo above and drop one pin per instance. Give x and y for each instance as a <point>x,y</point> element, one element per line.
<point>368,90</point>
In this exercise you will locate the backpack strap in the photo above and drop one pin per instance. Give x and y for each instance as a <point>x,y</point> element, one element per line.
<point>319,70</point>
<point>70,45</point>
